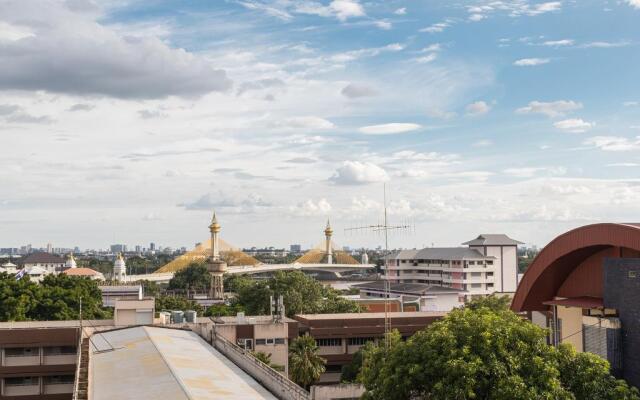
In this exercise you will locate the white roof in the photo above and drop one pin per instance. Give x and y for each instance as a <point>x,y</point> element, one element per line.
<point>153,363</point>
<point>35,270</point>
<point>9,265</point>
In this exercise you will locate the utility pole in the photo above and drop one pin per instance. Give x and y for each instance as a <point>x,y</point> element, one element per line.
<point>385,228</point>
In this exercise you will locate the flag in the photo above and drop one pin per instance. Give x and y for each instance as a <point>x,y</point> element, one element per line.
<point>21,273</point>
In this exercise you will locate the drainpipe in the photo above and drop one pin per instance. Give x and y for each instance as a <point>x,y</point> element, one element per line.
<point>556,337</point>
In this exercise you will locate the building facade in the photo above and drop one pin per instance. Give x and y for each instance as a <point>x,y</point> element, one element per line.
<point>583,286</point>
<point>340,336</point>
<point>489,264</point>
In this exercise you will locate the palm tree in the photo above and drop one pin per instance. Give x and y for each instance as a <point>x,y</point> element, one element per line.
<point>305,365</point>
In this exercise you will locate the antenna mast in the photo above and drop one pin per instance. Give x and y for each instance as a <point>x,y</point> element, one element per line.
<point>384,227</point>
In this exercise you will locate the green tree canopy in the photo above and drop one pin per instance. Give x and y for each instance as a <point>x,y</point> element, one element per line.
<point>57,297</point>
<point>305,365</point>
<point>194,277</point>
<point>484,351</point>
<point>301,295</point>
<point>166,303</point>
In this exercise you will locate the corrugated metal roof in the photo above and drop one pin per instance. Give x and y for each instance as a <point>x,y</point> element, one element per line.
<point>153,363</point>
<point>409,288</point>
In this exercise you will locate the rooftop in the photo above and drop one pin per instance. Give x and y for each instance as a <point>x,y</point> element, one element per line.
<point>42,258</point>
<point>440,253</point>
<point>417,289</point>
<point>375,315</point>
<point>492,239</point>
<point>149,363</point>
<point>55,324</point>
<point>247,320</point>
<point>81,272</point>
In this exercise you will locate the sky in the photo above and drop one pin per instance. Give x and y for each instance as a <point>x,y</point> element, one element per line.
<point>126,121</point>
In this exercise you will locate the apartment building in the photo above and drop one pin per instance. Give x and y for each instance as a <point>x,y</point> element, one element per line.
<point>489,264</point>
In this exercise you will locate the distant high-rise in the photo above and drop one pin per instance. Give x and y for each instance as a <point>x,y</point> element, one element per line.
<point>49,248</point>
<point>152,246</point>
<point>138,249</point>
<point>118,248</point>
<point>295,248</point>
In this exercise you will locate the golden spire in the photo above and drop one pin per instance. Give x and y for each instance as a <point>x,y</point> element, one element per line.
<point>215,226</point>
<point>328,231</point>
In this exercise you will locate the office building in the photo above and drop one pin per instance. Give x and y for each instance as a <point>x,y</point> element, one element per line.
<point>49,263</point>
<point>425,297</point>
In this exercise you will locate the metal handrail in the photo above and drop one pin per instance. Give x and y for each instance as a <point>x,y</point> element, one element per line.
<point>76,381</point>
<point>288,384</point>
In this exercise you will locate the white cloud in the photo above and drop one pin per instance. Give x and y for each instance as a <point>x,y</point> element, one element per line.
<point>606,45</point>
<point>550,109</point>
<point>392,128</point>
<point>355,90</point>
<point>478,108</point>
<point>72,54</point>
<point>436,28</point>
<point>482,143</point>
<point>631,103</point>
<point>9,32</point>
<point>634,3</point>
<point>345,9</point>
<point>426,59</point>
<point>574,125</point>
<point>400,11</point>
<point>559,43</point>
<point>385,25</point>
<point>529,172</point>
<point>434,112</point>
<point>303,122</point>
<point>476,17</point>
<point>624,164</point>
<point>358,173</point>
<point>310,208</point>
<point>531,62</point>
<point>614,143</point>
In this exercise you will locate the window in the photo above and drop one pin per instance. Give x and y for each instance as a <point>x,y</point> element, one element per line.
<point>489,262</point>
<point>58,379</point>
<point>329,342</point>
<point>59,350</point>
<point>476,274</point>
<point>359,341</point>
<point>279,340</point>
<point>21,381</point>
<point>21,352</point>
<point>270,341</point>
<point>476,285</point>
<point>472,263</point>
<point>261,341</point>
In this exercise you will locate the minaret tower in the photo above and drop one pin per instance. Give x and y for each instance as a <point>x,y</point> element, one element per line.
<point>119,268</point>
<point>215,266</point>
<point>327,234</point>
<point>71,262</point>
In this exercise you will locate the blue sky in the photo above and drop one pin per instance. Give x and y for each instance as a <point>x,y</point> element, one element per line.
<point>128,121</point>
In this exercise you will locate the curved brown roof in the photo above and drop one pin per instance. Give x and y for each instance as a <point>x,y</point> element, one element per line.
<point>571,265</point>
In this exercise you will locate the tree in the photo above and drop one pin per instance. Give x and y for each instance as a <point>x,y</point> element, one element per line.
<point>305,365</point>
<point>351,371</point>
<point>485,351</point>
<point>301,295</point>
<point>587,376</point>
<point>194,277</point>
<point>223,310</point>
<point>176,303</point>
<point>493,302</point>
<point>56,298</point>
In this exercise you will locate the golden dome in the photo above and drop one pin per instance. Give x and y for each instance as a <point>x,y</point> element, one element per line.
<point>328,231</point>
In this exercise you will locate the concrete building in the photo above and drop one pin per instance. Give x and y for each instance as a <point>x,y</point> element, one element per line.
<point>339,336</point>
<point>585,287</point>
<point>426,297</point>
<point>111,293</point>
<point>51,263</point>
<point>9,268</point>
<point>488,265</point>
<point>260,334</point>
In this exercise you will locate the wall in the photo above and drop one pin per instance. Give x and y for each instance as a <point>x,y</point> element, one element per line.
<point>278,385</point>
<point>342,391</point>
<point>622,292</point>
<point>571,326</point>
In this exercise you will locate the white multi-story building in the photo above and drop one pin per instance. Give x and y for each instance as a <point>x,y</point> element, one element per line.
<point>488,265</point>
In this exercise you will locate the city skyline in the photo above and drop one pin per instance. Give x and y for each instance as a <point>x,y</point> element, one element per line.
<point>130,121</point>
